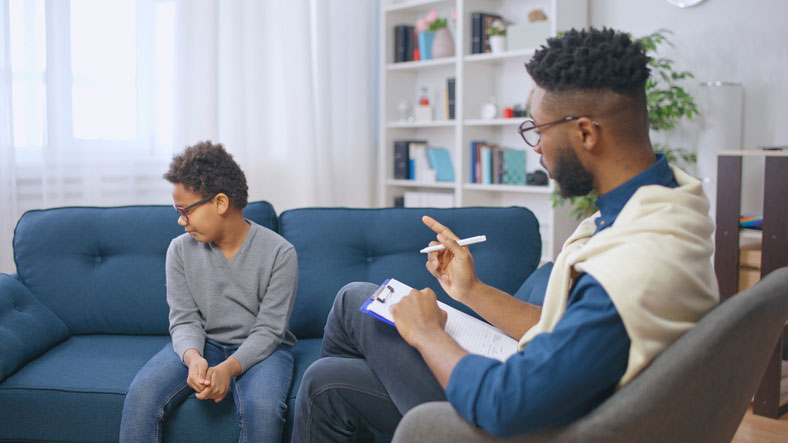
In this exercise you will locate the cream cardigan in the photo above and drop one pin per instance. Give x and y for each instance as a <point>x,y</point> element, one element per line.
<point>654,262</point>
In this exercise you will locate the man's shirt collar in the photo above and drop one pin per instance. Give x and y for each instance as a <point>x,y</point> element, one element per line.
<point>611,203</point>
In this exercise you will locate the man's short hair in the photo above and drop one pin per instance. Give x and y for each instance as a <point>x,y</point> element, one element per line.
<point>208,169</point>
<point>591,60</point>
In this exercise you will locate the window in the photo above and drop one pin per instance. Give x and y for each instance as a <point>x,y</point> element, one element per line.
<point>93,74</point>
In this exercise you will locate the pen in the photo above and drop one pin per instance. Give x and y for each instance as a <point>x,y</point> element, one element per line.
<point>463,242</point>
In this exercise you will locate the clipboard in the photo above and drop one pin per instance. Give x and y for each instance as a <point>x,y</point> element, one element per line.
<point>474,335</point>
<point>388,294</point>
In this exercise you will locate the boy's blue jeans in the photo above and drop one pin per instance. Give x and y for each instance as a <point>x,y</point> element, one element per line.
<point>368,377</point>
<point>260,394</point>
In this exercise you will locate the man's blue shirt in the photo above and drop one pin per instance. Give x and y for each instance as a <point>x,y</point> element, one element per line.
<point>564,374</point>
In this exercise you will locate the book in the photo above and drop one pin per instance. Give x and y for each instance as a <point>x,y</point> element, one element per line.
<point>514,167</point>
<point>413,47</point>
<point>445,103</point>
<point>472,334</point>
<point>401,160</point>
<point>485,38</point>
<point>404,167</point>
<point>497,158</point>
<point>440,161</point>
<point>420,164</point>
<point>451,82</point>
<point>403,43</point>
<point>474,161</point>
<point>486,164</point>
<point>476,33</point>
<point>478,165</point>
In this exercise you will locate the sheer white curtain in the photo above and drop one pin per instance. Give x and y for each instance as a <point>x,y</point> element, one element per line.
<point>7,177</point>
<point>86,103</point>
<point>289,88</point>
<point>96,96</point>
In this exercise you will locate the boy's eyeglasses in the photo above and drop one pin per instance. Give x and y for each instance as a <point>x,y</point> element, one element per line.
<point>184,212</point>
<point>532,137</point>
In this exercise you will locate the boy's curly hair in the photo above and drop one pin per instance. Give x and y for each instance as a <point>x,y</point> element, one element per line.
<point>591,59</point>
<point>208,169</point>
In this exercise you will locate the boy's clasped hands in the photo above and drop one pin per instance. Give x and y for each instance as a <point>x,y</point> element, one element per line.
<point>209,382</point>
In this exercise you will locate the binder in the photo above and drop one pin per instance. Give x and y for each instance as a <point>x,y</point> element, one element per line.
<point>440,160</point>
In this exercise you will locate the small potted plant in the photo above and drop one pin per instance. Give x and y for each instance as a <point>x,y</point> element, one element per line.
<point>496,31</point>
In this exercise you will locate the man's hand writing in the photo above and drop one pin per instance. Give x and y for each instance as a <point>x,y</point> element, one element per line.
<point>417,316</point>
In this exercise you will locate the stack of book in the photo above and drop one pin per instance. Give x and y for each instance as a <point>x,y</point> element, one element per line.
<point>404,43</point>
<point>415,160</point>
<point>480,41</point>
<point>492,164</point>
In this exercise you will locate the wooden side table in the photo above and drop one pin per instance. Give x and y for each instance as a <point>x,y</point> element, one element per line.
<point>774,252</point>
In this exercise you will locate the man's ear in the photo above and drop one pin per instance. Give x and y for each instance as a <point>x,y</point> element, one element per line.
<point>588,133</point>
<point>222,202</point>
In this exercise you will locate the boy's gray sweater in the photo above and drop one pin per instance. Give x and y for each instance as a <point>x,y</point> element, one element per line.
<point>246,301</point>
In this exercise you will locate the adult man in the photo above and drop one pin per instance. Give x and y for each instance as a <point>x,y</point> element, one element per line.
<point>630,280</point>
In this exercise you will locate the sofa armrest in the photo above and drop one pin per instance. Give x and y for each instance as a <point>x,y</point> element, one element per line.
<point>535,286</point>
<point>27,328</point>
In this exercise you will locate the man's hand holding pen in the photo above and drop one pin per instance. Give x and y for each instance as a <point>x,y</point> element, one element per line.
<point>453,266</point>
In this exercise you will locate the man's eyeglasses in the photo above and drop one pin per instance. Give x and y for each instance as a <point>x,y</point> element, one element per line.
<point>532,137</point>
<point>184,212</point>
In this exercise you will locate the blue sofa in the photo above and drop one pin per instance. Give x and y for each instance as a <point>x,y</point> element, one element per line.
<point>87,306</point>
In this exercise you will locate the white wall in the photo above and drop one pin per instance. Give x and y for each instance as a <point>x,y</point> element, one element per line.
<point>726,40</point>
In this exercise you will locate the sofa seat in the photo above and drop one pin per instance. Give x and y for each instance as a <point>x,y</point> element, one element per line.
<point>61,383</point>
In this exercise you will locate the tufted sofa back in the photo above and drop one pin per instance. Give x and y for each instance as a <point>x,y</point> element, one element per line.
<point>101,270</point>
<point>338,245</point>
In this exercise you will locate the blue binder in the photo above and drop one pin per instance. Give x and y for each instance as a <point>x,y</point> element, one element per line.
<point>440,161</point>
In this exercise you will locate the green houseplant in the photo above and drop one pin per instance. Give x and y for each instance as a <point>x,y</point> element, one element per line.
<point>667,103</point>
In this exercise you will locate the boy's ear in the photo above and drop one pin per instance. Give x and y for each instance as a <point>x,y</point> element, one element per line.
<point>222,202</point>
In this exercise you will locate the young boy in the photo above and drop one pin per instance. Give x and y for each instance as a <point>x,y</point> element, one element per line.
<point>231,284</point>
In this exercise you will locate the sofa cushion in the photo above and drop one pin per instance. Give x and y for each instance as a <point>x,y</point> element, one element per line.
<point>101,270</point>
<point>336,246</point>
<point>27,328</point>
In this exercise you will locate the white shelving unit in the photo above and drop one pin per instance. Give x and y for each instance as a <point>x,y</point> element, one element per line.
<point>477,77</point>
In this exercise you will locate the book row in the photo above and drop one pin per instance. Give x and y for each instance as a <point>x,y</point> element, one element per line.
<point>406,46</point>
<point>416,160</point>
<point>492,164</point>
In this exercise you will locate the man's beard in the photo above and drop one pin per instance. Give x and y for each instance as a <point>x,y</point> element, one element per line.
<point>572,178</point>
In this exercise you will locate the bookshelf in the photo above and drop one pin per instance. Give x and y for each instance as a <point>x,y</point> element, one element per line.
<point>477,78</point>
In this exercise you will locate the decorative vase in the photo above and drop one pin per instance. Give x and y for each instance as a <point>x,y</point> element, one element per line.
<point>498,43</point>
<point>425,44</point>
<point>443,45</point>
